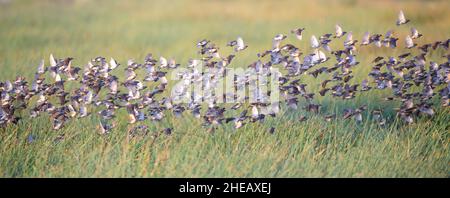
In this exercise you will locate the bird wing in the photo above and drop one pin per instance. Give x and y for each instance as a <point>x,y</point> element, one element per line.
<point>113,63</point>
<point>314,42</point>
<point>41,67</point>
<point>162,61</point>
<point>338,30</point>
<point>130,74</point>
<point>349,37</point>
<point>240,43</point>
<point>366,37</point>
<point>255,112</point>
<point>408,41</point>
<point>414,33</point>
<point>113,86</point>
<point>276,43</point>
<point>52,60</point>
<point>401,17</point>
<point>57,78</point>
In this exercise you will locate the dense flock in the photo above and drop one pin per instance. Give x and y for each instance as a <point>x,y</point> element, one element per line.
<point>96,90</point>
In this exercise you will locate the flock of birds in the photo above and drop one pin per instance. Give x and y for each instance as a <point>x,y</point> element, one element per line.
<point>413,82</point>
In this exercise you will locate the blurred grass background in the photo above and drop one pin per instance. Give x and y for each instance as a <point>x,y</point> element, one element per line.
<point>31,30</point>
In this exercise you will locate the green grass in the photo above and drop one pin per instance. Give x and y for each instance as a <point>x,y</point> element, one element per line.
<point>31,30</point>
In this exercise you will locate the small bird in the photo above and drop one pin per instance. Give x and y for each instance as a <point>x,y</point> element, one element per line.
<point>167,131</point>
<point>83,112</point>
<point>415,34</point>
<point>314,42</point>
<point>105,128</point>
<point>377,59</point>
<point>403,56</point>
<point>378,116</point>
<point>106,114</point>
<point>365,85</point>
<point>349,40</point>
<point>376,39</point>
<point>314,108</point>
<point>392,42</point>
<point>409,43</point>
<point>338,33</point>
<point>277,41</point>
<point>366,39</point>
<point>41,68</point>
<point>401,19</point>
<point>113,64</point>
<point>163,62</point>
<point>172,64</point>
<point>130,74</point>
<point>330,117</point>
<point>255,112</point>
<point>202,43</point>
<point>298,32</point>
<point>52,60</point>
<point>240,45</point>
<point>358,116</point>
<point>271,130</point>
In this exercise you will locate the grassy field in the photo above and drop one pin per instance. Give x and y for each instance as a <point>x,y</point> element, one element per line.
<point>31,30</point>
